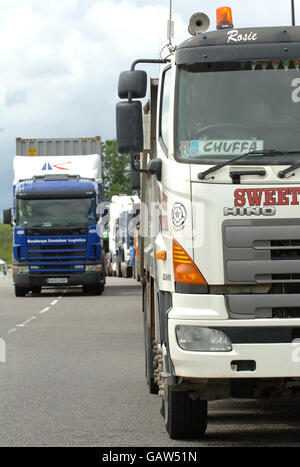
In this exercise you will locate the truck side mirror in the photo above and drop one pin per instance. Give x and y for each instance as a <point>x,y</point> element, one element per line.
<point>134,83</point>
<point>7,218</point>
<point>155,168</point>
<point>129,124</point>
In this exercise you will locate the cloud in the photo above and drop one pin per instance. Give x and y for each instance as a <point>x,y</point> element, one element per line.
<point>15,98</point>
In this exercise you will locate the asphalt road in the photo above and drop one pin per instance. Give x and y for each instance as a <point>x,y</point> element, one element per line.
<point>74,376</point>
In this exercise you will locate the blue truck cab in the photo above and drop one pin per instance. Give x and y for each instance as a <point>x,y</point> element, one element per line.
<point>56,241</point>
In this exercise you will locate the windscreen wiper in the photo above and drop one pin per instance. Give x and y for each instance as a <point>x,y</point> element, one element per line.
<point>283,173</point>
<point>269,152</point>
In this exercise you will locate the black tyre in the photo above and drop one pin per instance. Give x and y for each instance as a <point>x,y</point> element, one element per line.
<point>128,272</point>
<point>98,290</point>
<point>93,290</point>
<point>185,418</point>
<point>20,291</point>
<point>149,354</point>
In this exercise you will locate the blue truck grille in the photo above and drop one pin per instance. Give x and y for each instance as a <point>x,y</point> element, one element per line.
<point>57,254</point>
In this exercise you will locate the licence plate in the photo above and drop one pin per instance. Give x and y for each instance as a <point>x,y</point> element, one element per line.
<point>57,280</point>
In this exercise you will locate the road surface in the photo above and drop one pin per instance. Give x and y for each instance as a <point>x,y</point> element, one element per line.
<point>74,376</point>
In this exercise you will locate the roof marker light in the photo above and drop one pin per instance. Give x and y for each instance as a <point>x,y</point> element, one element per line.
<point>224,18</point>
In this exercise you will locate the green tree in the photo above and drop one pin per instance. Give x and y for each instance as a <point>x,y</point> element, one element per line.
<point>6,243</point>
<point>116,170</point>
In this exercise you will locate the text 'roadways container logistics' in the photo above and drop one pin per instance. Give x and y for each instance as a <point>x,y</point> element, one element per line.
<point>221,276</point>
<point>57,189</point>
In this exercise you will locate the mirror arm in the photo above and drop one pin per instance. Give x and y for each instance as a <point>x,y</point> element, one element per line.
<point>144,60</point>
<point>137,169</point>
<point>154,171</point>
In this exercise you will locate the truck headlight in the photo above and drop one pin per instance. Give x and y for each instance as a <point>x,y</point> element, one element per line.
<point>21,269</point>
<point>202,339</point>
<point>93,267</point>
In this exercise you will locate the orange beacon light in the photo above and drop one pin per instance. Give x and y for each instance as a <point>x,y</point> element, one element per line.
<point>224,17</point>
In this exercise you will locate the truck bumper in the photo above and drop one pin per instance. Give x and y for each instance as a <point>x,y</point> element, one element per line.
<point>37,280</point>
<point>271,345</point>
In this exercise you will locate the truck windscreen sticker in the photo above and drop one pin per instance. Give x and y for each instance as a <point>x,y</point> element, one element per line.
<point>220,147</point>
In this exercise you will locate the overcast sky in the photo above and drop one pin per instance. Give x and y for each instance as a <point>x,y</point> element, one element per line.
<point>60,60</point>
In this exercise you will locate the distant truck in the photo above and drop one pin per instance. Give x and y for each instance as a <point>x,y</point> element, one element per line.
<point>124,214</point>
<point>57,189</point>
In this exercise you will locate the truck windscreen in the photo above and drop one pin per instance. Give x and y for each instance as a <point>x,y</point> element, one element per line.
<point>56,212</point>
<point>224,110</point>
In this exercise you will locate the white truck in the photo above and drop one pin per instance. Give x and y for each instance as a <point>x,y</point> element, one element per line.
<point>221,173</point>
<point>123,216</point>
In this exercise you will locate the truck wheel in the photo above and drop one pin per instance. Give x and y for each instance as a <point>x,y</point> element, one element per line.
<point>98,290</point>
<point>20,291</point>
<point>185,418</point>
<point>128,272</point>
<point>149,355</point>
<point>95,290</point>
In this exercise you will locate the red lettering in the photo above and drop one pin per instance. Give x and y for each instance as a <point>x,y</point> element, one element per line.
<point>294,192</point>
<point>270,198</point>
<point>239,198</point>
<point>282,197</point>
<point>254,197</point>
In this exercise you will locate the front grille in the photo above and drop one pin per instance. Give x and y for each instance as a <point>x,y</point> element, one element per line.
<point>285,249</point>
<point>261,251</point>
<point>262,306</point>
<point>62,254</point>
<point>56,267</point>
<point>57,254</point>
<point>44,248</point>
<point>293,312</point>
<point>55,231</point>
<point>285,277</point>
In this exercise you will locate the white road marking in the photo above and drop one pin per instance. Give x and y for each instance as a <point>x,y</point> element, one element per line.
<point>22,325</point>
<point>27,321</point>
